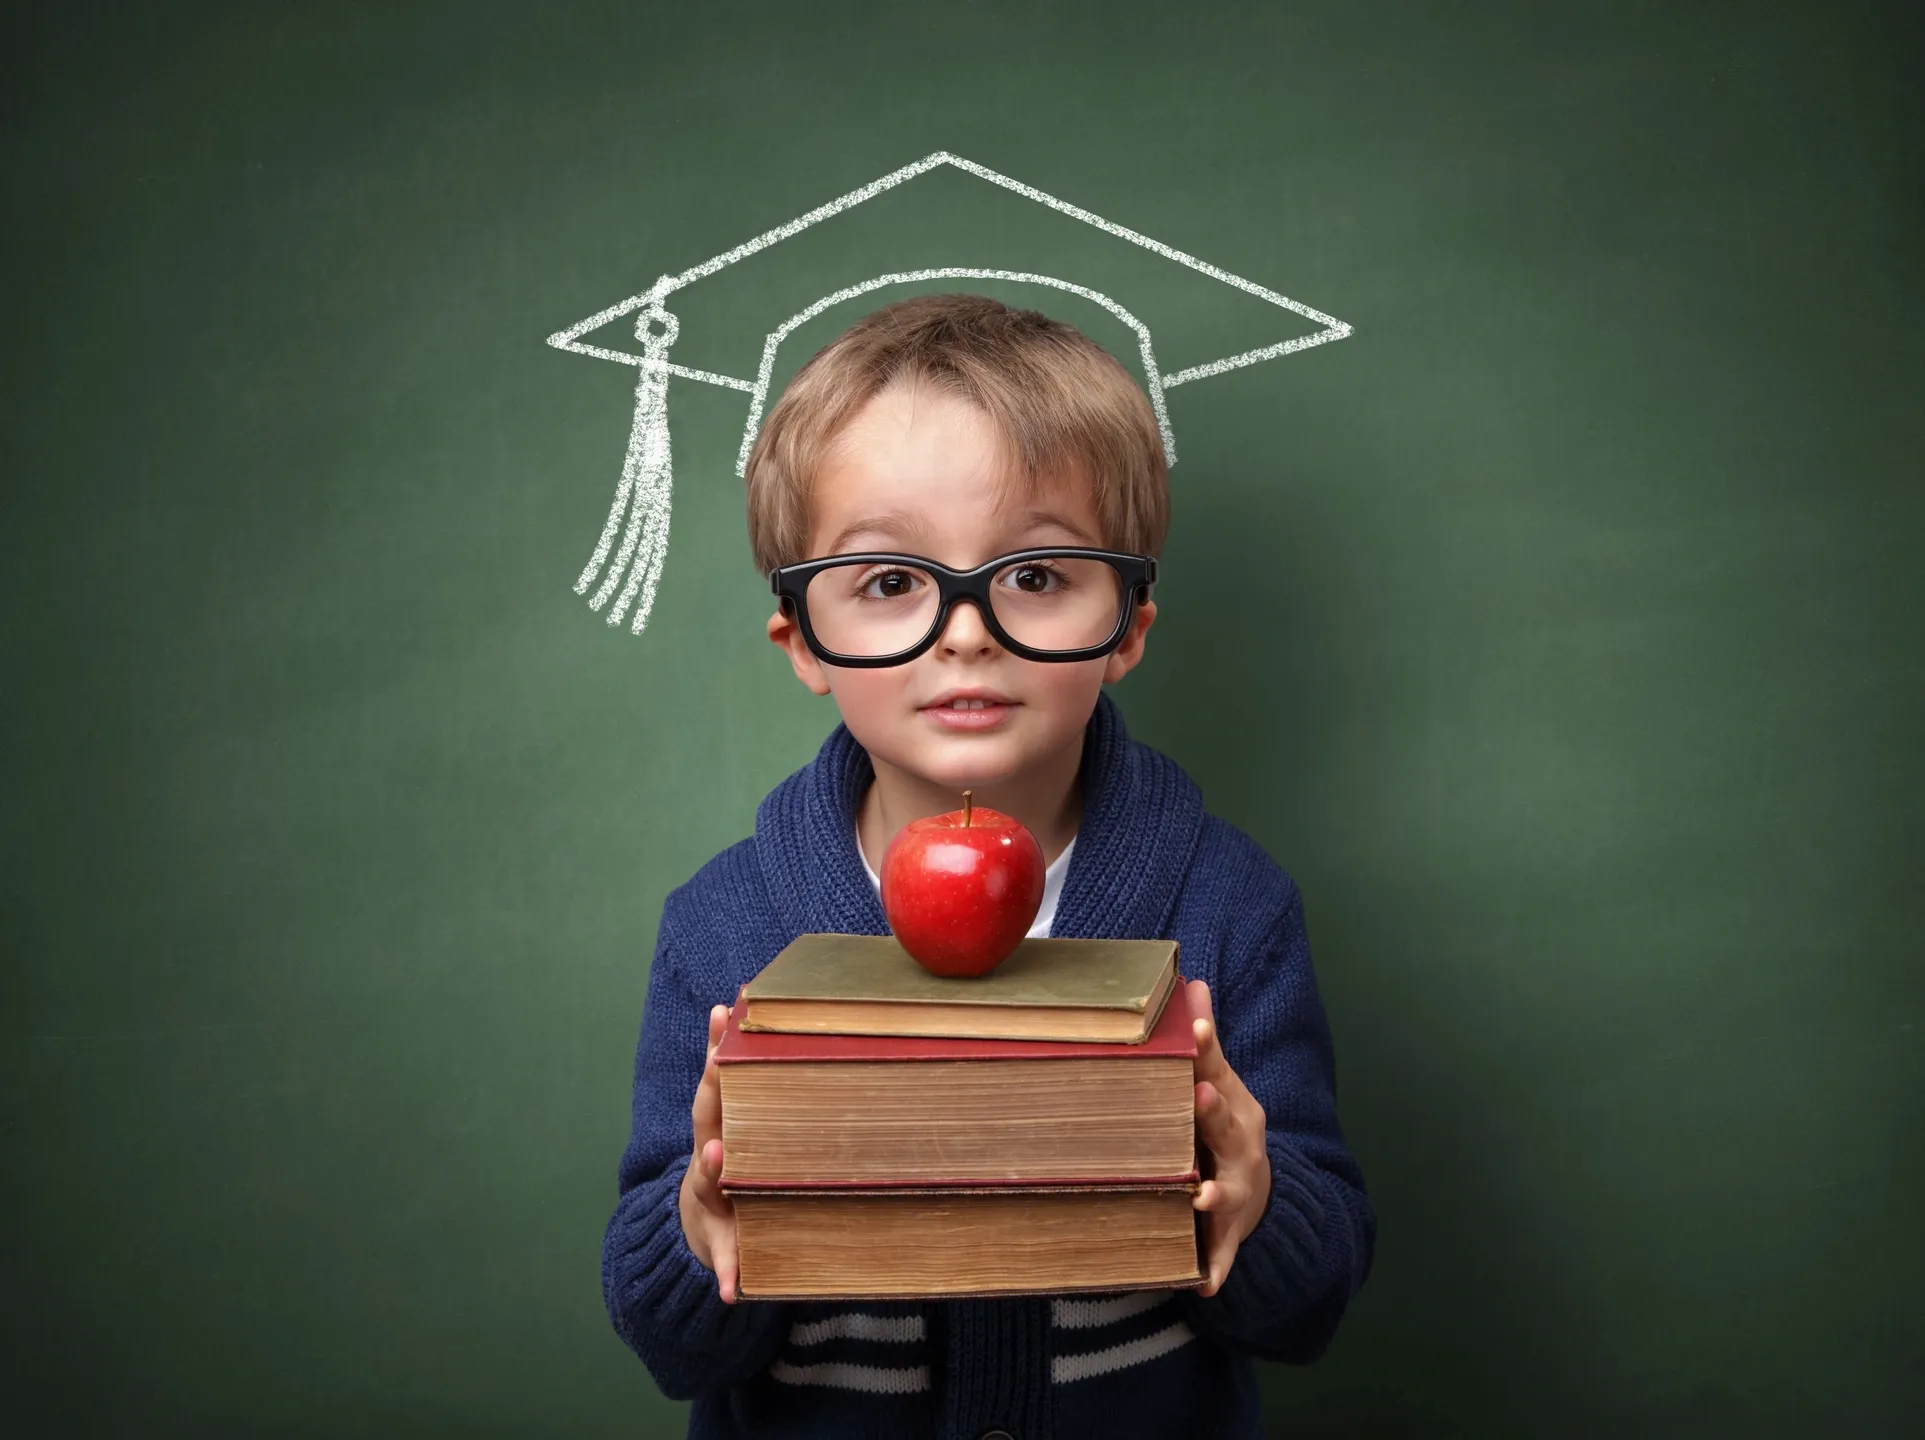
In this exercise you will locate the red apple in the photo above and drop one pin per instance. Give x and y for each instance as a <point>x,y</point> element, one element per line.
<point>961,890</point>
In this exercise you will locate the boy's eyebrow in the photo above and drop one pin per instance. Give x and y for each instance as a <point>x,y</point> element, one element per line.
<point>897,525</point>
<point>906,528</point>
<point>1044,519</point>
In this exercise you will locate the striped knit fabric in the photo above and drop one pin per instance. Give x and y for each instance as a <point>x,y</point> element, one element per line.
<point>1148,862</point>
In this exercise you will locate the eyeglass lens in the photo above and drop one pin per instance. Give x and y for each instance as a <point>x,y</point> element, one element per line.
<point>873,609</point>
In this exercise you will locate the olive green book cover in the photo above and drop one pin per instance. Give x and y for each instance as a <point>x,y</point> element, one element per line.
<point>1046,989</point>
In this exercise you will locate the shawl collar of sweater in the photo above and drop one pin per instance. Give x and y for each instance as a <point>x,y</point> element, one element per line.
<point>1141,820</point>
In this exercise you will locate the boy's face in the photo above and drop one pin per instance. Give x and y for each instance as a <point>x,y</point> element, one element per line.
<point>917,471</point>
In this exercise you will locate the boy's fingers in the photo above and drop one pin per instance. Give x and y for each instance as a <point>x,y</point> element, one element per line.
<point>727,1271</point>
<point>1221,1197</point>
<point>700,1183</point>
<point>1213,1068</point>
<point>1210,1064</point>
<point>1201,1003</point>
<point>705,1177</point>
<point>708,1091</point>
<point>706,1112</point>
<point>1202,1008</point>
<point>709,1154</point>
<point>1223,1254</point>
<point>707,1109</point>
<point>1216,1117</point>
<point>1219,1250</point>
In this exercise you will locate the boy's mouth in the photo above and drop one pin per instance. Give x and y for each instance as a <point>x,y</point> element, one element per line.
<point>969,710</point>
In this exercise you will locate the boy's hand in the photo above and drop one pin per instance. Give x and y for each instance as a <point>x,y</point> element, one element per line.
<point>708,1219</point>
<point>1237,1159</point>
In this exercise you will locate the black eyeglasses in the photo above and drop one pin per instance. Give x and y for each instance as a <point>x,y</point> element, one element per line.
<point>872,610</point>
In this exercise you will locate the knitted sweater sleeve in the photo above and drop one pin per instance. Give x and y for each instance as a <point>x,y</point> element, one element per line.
<point>1295,1272</point>
<point>663,1301</point>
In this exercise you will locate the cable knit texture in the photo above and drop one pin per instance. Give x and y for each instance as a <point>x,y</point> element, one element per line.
<point>1148,862</point>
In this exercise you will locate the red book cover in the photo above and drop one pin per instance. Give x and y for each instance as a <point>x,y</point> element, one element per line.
<point>1172,1036</point>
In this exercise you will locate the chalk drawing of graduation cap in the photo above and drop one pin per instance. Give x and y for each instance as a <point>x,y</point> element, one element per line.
<point>622,574</point>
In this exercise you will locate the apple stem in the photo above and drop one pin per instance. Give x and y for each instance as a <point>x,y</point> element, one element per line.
<point>966,809</point>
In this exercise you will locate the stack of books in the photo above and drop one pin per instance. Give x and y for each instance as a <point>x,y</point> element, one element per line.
<point>888,1133</point>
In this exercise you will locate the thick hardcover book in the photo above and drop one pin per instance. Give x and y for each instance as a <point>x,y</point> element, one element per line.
<point>1105,991</point>
<point>953,1243</point>
<point>847,1111</point>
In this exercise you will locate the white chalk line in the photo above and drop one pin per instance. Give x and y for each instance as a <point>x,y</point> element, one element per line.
<point>642,362</point>
<point>759,392</point>
<point>668,284</point>
<point>564,339</point>
<point>644,494</point>
<point>1254,357</point>
<point>630,466</point>
<point>1123,232</point>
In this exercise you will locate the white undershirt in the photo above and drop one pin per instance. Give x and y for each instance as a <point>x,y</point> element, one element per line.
<point>1052,887</point>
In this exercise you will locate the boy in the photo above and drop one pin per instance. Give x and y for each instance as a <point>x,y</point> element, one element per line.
<point>952,430</point>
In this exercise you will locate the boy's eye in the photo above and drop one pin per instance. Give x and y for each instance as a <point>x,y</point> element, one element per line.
<point>888,584</point>
<point>1033,579</point>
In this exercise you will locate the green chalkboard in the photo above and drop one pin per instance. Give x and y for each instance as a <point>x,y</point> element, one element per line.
<point>1559,629</point>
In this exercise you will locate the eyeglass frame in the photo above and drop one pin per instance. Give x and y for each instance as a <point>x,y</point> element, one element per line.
<point>790,583</point>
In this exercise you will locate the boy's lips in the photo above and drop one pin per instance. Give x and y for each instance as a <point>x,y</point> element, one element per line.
<point>969,711</point>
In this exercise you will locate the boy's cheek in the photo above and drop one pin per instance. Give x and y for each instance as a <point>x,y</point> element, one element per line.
<point>867,698</point>
<point>877,707</point>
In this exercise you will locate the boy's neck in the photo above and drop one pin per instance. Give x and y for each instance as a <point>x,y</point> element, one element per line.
<point>1048,799</point>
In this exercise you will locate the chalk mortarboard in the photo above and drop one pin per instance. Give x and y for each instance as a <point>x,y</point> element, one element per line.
<point>626,566</point>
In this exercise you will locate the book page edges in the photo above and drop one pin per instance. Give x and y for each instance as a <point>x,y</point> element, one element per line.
<point>1169,1035</point>
<point>936,1019</point>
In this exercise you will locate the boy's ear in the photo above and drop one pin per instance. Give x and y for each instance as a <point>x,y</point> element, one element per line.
<point>1124,657</point>
<point>786,635</point>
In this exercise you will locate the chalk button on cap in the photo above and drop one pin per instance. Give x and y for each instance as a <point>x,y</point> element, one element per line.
<point>1207,321</point>
<point>997,1435</point>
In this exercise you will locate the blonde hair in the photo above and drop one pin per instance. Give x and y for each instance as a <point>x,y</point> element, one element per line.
<point>1062,404</point>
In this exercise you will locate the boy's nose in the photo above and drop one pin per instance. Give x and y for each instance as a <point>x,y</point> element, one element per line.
<point>965,634</point>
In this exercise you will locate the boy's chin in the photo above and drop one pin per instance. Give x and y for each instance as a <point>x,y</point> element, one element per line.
<point>976,762</point>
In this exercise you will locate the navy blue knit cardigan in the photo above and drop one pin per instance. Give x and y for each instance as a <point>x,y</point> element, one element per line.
<point>1148,862</point>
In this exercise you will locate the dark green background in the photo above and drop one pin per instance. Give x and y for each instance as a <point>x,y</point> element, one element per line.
<point>1560,631</point>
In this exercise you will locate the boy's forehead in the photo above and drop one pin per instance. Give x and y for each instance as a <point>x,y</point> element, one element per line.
<point>950,481</point>
<point>748,316</point>
<point>912,420</point>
